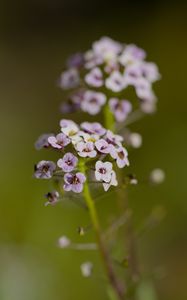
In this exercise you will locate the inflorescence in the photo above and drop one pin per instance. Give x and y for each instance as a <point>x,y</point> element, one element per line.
<point>101,76</point>
<point>89,144</point>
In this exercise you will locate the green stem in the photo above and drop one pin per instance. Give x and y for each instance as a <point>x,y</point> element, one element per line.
<point>109,118</point>
<point>116,285</point>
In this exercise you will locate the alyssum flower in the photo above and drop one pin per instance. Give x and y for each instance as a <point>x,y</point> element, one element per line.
<point>89,143</point>
<point>110,67</point>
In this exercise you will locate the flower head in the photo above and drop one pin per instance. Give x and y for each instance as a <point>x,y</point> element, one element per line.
<point>112,66</point>
<point>87,140</point>
<point>74,182</point>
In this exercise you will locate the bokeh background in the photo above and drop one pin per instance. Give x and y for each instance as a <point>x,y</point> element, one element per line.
<point>36,36</point>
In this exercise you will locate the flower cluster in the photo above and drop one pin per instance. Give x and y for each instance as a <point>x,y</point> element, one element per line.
<point>89,143</point>
<point>109,68</point>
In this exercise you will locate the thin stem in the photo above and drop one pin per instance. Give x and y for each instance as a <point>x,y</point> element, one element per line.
<point>101,245</point>
<point>109,118</point>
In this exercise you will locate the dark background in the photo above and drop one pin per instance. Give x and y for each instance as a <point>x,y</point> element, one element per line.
<point>35,39</point>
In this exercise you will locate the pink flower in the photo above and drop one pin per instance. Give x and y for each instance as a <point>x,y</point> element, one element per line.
<point>69,79</point>
<point>132,54</point>
<point>86,149</point>
<point>94,78</point>
<point>116,82</point>
<point>74,182</point>
<point>103,146</point>
<point>59,142</point>
<point>121,156</point>
<point>93,102</point>
<point>68,162</point>
<point>120,108</point>
<point>93,128</point>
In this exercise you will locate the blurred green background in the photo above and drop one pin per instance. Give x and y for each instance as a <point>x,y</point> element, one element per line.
<point>36,36</point>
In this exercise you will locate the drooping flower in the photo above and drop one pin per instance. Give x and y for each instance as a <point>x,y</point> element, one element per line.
<point>93,101</point>
<point>68,162</point>
<point>113,182</point>
<point>59,142</point>
<point>42,141</point>
<point>120,108</point>
<point>86,149</point>
<point>74,182</point>
<point>44,169</point>
<point>103,171</point>
<point>116,82</point>
<point>94,78</point>
<point>52,198</point>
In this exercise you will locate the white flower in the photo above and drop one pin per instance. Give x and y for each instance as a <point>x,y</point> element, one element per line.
<point>93,102</point>
<point>103,171</point>
<point>121,156</point>
<point>94,78</point>
<point>144,90</point>
<point>116,82</point>
<point>71,130</point>
<point>113,181</point>
<point>106,48</point>
<point>86,149</point>
<point>132,54</point>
